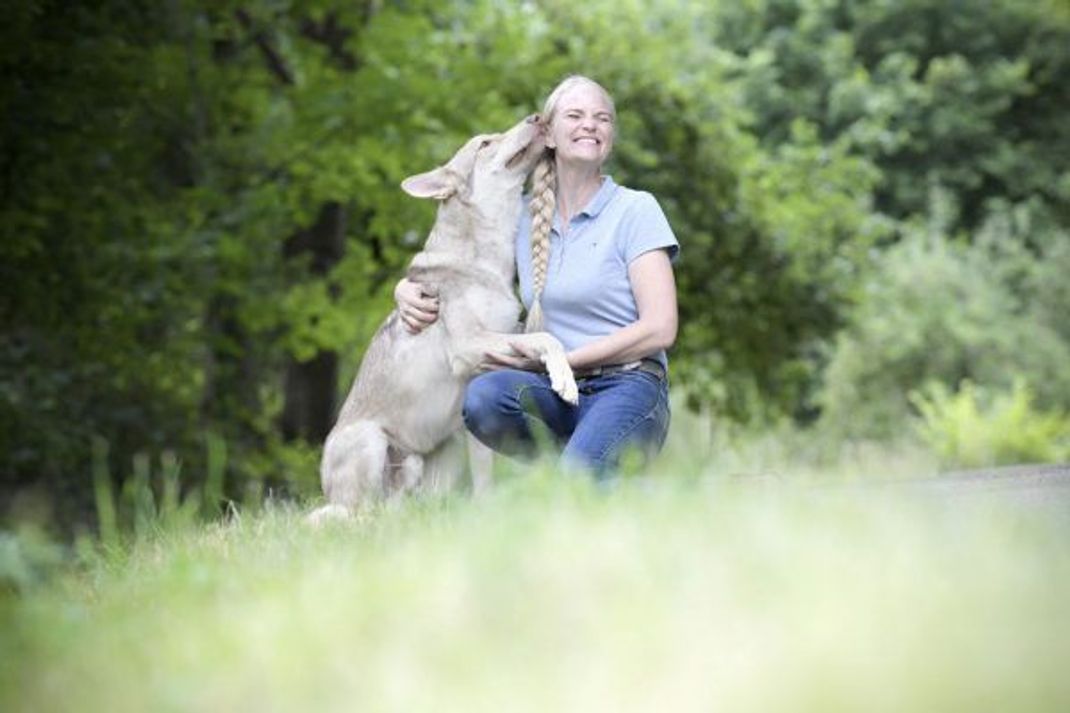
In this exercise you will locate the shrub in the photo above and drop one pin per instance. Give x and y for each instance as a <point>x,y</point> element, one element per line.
<point>976,427</point>
<point>942,311</point>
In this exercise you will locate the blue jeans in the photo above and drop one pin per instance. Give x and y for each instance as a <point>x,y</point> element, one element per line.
<point>618,412</point>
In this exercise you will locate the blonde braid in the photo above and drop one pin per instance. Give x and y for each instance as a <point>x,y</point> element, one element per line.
<point>544,199</point>
<point>543,203</point>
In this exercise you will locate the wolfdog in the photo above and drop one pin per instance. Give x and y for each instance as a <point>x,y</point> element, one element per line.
<point>396,430</point>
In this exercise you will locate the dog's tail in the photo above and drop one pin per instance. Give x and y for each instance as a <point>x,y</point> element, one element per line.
<point>354,465</point>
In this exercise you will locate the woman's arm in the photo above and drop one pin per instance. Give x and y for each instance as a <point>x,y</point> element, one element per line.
<point>654,288</point>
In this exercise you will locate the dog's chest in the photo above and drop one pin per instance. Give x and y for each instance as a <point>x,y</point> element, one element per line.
<point>484,308</point>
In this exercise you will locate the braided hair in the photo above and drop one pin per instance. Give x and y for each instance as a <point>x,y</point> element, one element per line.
<point>544,201</point>
<point>543,204</point>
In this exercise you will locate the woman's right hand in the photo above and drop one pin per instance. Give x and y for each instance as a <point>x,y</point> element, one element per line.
<point>417,305</point>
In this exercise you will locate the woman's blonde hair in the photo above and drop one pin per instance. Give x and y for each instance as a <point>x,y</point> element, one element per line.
<point>544,199</point>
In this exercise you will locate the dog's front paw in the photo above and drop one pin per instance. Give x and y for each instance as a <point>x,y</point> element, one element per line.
<point>570,391</point>
<point>553,357</point>
<point>564,383</point>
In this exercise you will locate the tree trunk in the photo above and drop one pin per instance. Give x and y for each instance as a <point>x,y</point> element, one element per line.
<point>309,406</point>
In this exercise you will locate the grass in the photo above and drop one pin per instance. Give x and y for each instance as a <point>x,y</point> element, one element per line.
<point>551,594</point>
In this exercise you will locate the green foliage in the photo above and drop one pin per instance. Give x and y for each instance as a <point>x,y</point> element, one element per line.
<point>29,559</point>
<point>939,310</point>
<point>964,94</point>
<point>975,427</point>
<point>153,502</point>
<point>165,168</point>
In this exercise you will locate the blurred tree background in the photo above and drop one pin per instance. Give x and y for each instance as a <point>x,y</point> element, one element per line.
<point>201,221</point>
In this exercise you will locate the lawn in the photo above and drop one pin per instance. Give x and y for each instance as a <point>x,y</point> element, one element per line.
<point>552,594</point>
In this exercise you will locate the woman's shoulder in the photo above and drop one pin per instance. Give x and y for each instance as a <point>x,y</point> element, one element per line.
<point>642,223</point>
<point>634,200</point>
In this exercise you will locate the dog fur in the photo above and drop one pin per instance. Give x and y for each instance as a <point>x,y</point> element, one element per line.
<point>397,430</point>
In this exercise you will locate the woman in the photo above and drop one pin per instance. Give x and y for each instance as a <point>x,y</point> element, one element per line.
<point>594,261</point>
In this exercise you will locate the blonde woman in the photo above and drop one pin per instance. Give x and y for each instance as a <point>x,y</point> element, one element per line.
<point>594,261</point>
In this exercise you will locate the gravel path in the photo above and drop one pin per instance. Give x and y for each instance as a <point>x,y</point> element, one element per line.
<point>1043,489</point>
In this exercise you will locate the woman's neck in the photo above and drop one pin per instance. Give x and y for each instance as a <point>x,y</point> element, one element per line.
<point>575,187</point>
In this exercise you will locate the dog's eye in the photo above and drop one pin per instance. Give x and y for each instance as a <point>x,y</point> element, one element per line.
<point>484,143</point>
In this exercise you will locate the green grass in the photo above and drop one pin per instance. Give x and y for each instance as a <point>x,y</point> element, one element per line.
<point>551,594</point>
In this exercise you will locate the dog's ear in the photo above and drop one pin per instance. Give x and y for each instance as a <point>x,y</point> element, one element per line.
<point>440,184</point>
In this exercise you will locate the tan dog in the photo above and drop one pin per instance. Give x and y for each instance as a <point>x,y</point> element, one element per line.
<point>397,428</point>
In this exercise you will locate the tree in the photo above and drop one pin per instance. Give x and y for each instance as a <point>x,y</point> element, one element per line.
<point>201,220</point>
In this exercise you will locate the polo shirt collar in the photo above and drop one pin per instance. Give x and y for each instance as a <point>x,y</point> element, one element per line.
<point>594,206</point>
<point>601,198</point>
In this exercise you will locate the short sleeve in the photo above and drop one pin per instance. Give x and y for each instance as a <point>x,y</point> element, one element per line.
<point>646,228</point>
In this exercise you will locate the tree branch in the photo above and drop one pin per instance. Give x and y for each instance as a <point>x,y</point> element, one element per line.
<point>333,36</point>
<point>273,59</point>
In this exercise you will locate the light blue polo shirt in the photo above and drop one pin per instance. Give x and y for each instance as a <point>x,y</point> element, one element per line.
<point>588,294</point>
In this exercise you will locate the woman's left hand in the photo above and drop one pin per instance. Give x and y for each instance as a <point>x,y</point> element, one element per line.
<point>518,357</point>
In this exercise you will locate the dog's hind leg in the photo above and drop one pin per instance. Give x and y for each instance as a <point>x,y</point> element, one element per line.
<point>444,465</point>
<point>410,474</point>
<point>353,467</point>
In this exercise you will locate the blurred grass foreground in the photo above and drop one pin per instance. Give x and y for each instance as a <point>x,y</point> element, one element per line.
<point>553,594</point>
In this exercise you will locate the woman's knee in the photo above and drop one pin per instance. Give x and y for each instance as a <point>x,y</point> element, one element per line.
<point>494,413</point>
<point>630,424</point>
<point>492,402</point>
<point>602,458</point>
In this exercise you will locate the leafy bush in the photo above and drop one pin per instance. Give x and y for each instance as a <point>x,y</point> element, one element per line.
<point>980,427</point>
<point>944,311</point>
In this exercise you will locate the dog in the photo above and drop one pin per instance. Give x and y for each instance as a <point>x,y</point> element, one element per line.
<point>396,430</point>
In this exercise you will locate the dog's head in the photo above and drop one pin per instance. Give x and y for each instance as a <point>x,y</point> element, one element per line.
<point>488,166</point>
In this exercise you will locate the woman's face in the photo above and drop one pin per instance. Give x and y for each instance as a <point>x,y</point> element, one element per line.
<point>581,130</point>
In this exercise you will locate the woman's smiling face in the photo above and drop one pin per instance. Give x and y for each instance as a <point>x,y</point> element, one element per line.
<point>582,126</point>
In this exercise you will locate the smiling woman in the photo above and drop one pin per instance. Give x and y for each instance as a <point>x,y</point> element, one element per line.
<point>594,261</point>
<point>584,130</point>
